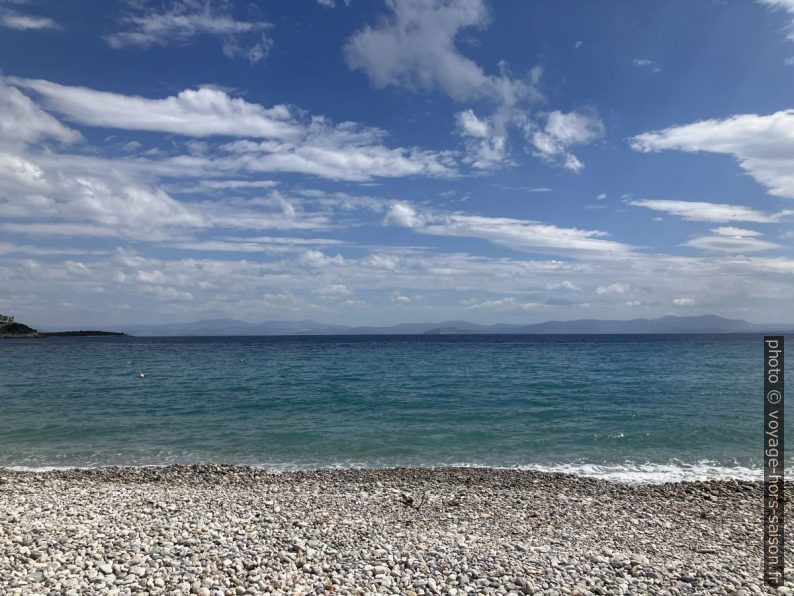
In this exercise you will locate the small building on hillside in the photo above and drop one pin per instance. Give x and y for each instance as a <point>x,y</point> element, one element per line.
<point>6,319</point>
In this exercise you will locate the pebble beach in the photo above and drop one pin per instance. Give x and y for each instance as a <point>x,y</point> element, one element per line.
<point>234,530</point>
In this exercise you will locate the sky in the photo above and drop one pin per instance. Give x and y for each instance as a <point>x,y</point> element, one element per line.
<point>395,161</point>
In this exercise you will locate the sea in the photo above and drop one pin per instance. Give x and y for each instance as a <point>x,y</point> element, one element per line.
<point>634,408</point>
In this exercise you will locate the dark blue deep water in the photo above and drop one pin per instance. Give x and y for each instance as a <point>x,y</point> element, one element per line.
<point>643,407</point>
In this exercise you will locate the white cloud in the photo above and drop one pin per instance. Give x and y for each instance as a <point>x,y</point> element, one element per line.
<point>236,286</point>
<point>729,239</point>
<point>733,232</point>
<point>14,20</point>
<point>763,145</point>
<point>77,268</point>
<point>316,259</point>
<point>415,47</point>
<point>601,196</point>
<point>224,185</point>
<point>645,63</point>
<point>786,6</point>
<point>343,152</point>
<point>185,19</point>
<point>486,139</point>
<point>166,293</point>
<point>563,131</point>
<point>334,292</point>
<point>111,200</point>
<point>60,229</point>
<point>472,126</point>
<point>193,112</point>
<point>514,233</point>
<point>23,121</point>
<point>404,215</point>
<point>50,194</point>
<point>615,288</point>
<point>332,3</point>
<point>684,301</point>
<point>711,212</point>
<point>504,304</point>
<point>255,244</point>
<point>318,147</point>
<point>563,285</point>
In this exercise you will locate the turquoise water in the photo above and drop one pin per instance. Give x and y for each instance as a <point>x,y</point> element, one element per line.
<point>622,406</point>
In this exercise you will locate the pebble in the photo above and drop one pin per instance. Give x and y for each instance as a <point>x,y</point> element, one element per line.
<point>226,530</point>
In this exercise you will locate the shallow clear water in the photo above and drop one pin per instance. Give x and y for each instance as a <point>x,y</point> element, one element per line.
<point>619,406</point>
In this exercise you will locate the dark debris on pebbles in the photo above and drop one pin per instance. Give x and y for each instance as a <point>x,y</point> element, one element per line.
<point>235,530</point>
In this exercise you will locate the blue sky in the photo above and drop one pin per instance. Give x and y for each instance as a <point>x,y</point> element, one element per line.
<point>407,160</point>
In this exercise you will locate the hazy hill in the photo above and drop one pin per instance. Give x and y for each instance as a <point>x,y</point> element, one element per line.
<point>668,324</point>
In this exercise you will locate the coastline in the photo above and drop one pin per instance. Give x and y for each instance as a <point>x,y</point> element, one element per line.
<point>625,473</point>
<point>231,530</point>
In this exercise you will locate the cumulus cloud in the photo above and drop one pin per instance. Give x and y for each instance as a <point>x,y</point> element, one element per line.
<point>404,215</point>
<point>561,132</point>
<point>485,138</point>
<point>762,144</point>
<point>710,212</point>
<point>414,46</point>
<point>517,234</point>
<point>185,19</point>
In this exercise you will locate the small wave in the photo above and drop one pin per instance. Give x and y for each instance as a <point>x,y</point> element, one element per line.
<point>654,473</point>
<point>628,472</point>
<point>44,468</point>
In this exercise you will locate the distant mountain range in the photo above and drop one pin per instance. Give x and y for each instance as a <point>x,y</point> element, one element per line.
<point>668,324</point>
